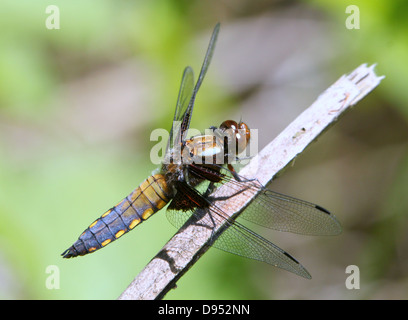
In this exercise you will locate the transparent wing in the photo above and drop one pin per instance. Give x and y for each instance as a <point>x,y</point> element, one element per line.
<point>187,94</point>
<point>284,213</point>
<point>207,59</point>
<point>239,240</point>
<point>183,101</point>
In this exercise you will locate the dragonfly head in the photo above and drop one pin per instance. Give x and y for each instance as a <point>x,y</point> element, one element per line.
<point>239,133</point>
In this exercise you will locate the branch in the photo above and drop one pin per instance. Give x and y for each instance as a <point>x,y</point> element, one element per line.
<point>193,239</point>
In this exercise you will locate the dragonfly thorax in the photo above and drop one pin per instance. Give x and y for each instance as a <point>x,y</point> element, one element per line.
<point>204,149</point>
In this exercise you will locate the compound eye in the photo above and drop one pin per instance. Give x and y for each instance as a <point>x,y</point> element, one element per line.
<point>243,128</point>
<point>229,124</point>
<point>242,136</point>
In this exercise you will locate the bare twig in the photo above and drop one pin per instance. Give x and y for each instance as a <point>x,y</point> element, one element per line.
<point>193,240</point>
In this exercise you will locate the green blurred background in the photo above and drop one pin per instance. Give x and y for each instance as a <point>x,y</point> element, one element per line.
<point>77,106</point>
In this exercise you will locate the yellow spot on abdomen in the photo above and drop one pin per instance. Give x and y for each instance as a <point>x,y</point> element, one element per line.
<point>93,223</point>
<point>134,223</point>
<point>147,213</point>
<point>106,213</point>
<point>92,249</point>
<point>105,242</point>
<point>119,233</point>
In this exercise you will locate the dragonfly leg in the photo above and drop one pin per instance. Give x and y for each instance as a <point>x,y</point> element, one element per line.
<point>236,176</point>
<point>234,173</point>
<point>210,189</point>
<point>213,225</point>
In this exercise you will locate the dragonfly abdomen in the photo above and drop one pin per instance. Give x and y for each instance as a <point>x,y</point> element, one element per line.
<point>151,196</point>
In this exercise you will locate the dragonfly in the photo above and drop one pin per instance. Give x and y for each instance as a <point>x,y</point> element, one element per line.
<point>191,169</point>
